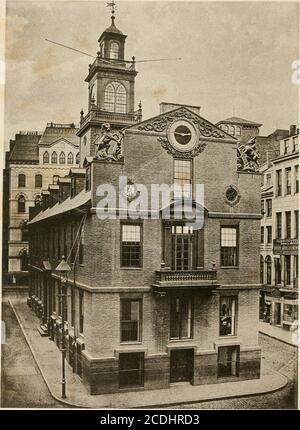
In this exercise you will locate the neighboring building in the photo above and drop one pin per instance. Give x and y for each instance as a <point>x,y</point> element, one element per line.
<point>279,235</point>
<point>151,301</point>
<point>33,161</point>
<point>244,130</point>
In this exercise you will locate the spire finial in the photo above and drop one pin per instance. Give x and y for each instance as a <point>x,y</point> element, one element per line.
<point>113,6</point>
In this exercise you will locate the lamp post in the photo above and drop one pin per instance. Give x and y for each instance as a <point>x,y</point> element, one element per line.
<point>63,268</point>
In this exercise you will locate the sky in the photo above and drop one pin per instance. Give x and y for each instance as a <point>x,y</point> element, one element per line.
<point>236,59</point>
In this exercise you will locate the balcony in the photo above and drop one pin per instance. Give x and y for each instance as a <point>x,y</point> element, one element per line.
<point>185,279</point>
<point>285,246</point>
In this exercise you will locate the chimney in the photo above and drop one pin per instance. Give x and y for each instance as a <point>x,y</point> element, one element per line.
<point>53,189</point>
<point>64,188</point>
<point>293,130</point>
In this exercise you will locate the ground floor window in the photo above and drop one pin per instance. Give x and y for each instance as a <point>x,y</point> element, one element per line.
<point>228,361</point>
<point>290,312</point>
<point>131,369</point>
<point>227,315</point>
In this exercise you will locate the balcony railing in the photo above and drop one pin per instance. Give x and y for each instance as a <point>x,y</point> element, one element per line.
<point>185,278</point>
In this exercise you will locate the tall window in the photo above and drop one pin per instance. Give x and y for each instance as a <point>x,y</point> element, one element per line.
<point>296,179</point>
<point>262,207</point>
<point>131,369</point>
<point>269,207</point>
<point>268,178</point>
<point>261,269</point>
<point>38,181</point>
<point>269,269</point>
<point>81,311</point>
<point>269,234</point>
<point>288,181</point>
<point>278,225</point>
<point>228,361</point>
<point>288,225</point>
<point>262,235</point>
<point>279,182</point>
<point>114,50</point>
<point>131,245</point>
<point>54,158</point>
<point>22,180</point>
<point>238,131</point>
<point>115,98</point>
<point>46,157</point>
<point>229,244</point>
<point>77,158</point>
<point>182,247</point>
<point>181,318</point>
<point>296,224</point>
<point>295,144</point>
<point>228,315</point>
<point>70,158</point>
<point>21,204</point>
<point>287,269</point>
<point>131,311</point>
<point>285,146</point>
<point>62,158</point>
<point>183,177</point>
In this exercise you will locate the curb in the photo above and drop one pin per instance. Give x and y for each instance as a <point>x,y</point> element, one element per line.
<point>63,402</point>
<point>276,338</point>
<point>186,402</point>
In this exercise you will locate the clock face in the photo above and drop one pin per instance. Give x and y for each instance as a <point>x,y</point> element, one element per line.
<point>182,135</point>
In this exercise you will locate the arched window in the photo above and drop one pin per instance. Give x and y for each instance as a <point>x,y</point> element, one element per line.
<point>55,179</point>
<point>238,131</point>
<point>77,158</point>
<point>225,128</point>
<point>62,158</point>
<point>231,130</point>
<point>114,50</point>
<point>261,269</point>
<point>46,157</point>
<point>22,180</point>
<point>38,181</point>
<point>21,204</point>
<point>70,158</point>
<point>115,98</point>
<point>269,269</point>
<point>54,158</point>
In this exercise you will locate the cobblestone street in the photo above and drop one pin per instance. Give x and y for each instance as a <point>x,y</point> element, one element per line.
<point>23,385</point>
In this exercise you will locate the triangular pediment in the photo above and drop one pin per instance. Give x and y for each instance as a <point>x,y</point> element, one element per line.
<point>58,142</point>
<point>160,123</point>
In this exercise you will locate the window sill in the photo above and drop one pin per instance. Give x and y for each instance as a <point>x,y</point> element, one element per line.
<point>229,267</point>
<point>131,268</point>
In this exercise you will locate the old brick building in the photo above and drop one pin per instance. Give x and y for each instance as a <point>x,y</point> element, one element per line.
<point>150,301</point>
<point>34,160</point>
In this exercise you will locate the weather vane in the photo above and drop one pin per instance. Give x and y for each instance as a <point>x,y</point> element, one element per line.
<point>113,6</point>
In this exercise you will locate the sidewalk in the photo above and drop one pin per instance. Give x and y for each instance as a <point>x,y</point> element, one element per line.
<point>48,359</point>
<point>276,332</point>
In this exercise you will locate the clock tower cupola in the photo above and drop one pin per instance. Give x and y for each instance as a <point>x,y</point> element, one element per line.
<point>110,81</point>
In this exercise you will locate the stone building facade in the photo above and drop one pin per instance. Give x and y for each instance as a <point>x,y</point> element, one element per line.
<point>280,235</point>
<point>153,300</point>
<point>34,161</point>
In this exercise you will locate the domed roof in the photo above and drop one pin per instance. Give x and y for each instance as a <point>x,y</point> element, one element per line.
<point>112,29</point>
